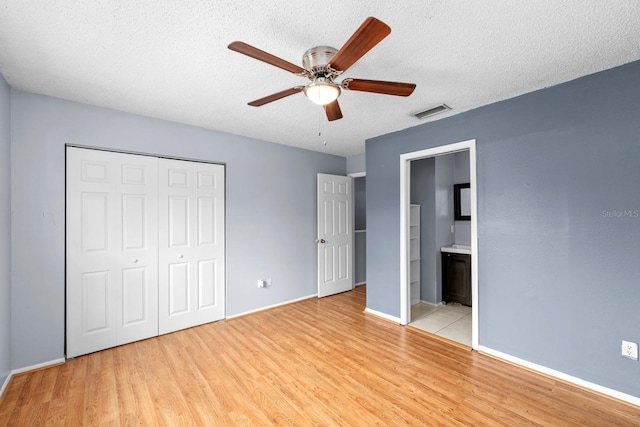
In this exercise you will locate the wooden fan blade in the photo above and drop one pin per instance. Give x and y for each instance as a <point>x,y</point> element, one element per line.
<point>379,86</point>
<point>263,56</point>
<point>370,33</point>
<point>333,111</point>
<point>276,96</point>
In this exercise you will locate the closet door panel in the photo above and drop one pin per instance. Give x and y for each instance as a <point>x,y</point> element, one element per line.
<point>91,247</point>
<point>111,249</point>
<point>207,283</point>
<point>96,307</point>
<point>191,247</point>
<point>134,217</point>
<point>94,222</point>
<point>137,307</point>
<point>179,289</point>
<point>134,296</point>
<point>178,222</point>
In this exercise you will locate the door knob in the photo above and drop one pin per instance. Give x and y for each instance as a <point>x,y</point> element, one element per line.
<point>321,241</point>
<point>180,256</point>
<point>135,260</point>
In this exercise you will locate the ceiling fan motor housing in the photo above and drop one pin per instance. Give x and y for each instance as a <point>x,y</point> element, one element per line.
<point>315,60</point>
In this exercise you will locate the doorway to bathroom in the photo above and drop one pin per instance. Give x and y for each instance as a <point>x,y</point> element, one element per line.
<point>429,230</point>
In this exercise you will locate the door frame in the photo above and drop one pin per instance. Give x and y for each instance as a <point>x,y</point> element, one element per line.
<point>405,198</point>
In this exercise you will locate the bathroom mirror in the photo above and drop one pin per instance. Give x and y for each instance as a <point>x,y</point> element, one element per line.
<point>462,202</point>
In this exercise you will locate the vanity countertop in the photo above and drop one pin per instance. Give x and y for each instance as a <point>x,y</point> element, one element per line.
<point>457,249</point>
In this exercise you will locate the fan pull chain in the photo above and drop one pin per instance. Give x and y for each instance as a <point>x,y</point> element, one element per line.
<point>322,127</point>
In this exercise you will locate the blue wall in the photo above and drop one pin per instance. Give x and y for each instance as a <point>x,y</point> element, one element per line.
<point>356,164</point>
<point>558,174</point>
<point>271,209</point>
<point>5,231</point>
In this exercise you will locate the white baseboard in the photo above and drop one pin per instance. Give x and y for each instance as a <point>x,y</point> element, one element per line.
<point>430,303</point>
<point>27,369</point>
<point>5,384</point>
<point>562,376</point>
<point>271,306</point>
<point>360,284</point>
<point>38,366</point>
<point>383,315</point>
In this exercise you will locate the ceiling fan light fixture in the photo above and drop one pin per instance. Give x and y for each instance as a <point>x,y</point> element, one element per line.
<point>322,91</point>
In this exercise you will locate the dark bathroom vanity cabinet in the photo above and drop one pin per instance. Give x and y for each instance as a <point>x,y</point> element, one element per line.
<point>456,277</point>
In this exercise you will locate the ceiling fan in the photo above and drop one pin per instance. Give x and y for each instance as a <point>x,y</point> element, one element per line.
<point>323,64</point>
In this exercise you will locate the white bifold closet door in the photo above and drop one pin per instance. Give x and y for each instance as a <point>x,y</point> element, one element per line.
<point>129,276</point>
<point>112,249</point>
<point>191,244</point>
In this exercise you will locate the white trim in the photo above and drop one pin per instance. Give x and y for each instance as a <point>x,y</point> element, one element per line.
<point>360,231</point>
<point>431,303</point>
<point>382,315</point>
<point>405,197</point>
<point>6,383</point>
<point>357,174</point>
<point>361,283</point>
<point>452,250</point>
<point>29,368</point>
<point>271,306</point>
<point>38,366</point>
<point>562,376</point>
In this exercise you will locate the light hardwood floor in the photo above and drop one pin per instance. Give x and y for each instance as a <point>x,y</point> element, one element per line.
<point>315,362</point>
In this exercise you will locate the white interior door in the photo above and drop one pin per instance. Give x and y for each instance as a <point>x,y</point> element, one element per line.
<point>335,234</point>
<point>111,253</point>
<point>191,251</point>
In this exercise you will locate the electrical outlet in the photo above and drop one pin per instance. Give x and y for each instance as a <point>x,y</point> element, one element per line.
<point>630,350</point>
<point>264,283</point>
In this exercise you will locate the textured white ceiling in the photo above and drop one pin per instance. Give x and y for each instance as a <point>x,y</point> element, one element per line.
<point>169,59</point>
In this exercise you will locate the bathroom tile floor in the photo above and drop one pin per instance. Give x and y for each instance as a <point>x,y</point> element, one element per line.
<point>451,321</point>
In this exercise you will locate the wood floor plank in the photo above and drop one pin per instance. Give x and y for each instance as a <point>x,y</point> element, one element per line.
<point>315,362</point>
